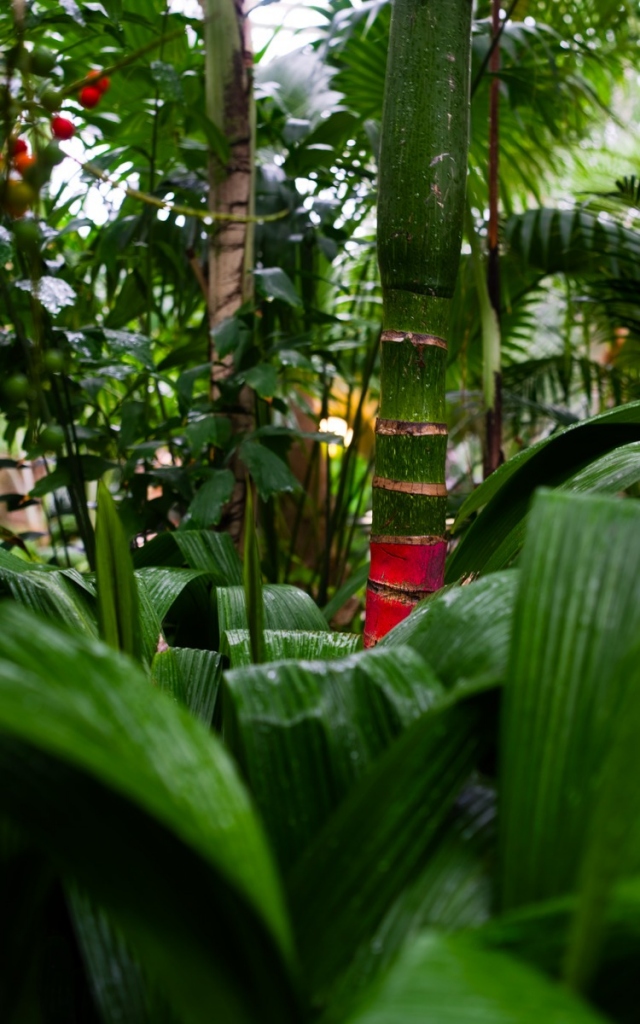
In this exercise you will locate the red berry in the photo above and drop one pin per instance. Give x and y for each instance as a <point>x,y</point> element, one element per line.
<point>62,127</point>
<point>104,84</point>
<point>89,96</point>
<point>18,147</point>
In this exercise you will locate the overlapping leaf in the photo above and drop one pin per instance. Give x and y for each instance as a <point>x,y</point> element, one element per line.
<point>497,534</point>
<point>104,756</point>
<point>304,732</point>
<point>577,616</point>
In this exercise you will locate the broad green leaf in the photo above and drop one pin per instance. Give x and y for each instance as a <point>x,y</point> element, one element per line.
<point>115,977</point>
<point>208,430</point>
<point>263,379</point>
<point>274,283</point>
<point>496,535</point>
<point>304,732</point>
<point>450,980</point>
<point>285,607</point>
<point>378,839</point>
<point>118,603</point>
<point>283,644</point>
<point>253,596</point>
<point>201,672</point>
<point>48,592</point>
<point>199,549</point>
<point>166,675</point>
<point>463,632</point>
<point>107,756</point>
<point>577,615</point>
<point>206,507</point>
<point>164,586</point>
<point>539,934</point>
<point>453,890</point>
<point>613,831</point>
<point>128,343</point>
<point>611,473</point>
<point>270,473</point>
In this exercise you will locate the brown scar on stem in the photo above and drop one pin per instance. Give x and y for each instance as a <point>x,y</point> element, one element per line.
<point>417,340</point>
<point>425,490</point>
<point>400,428</point>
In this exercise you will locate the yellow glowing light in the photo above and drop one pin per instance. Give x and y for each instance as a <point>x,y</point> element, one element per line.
<point>336,425</point>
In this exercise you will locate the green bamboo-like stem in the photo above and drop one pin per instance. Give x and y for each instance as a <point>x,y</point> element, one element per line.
<point>492,355</point>
<point>423,171</point>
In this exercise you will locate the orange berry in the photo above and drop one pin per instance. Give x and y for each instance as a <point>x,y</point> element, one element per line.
<point>22,162</point>
<point>102,83</point>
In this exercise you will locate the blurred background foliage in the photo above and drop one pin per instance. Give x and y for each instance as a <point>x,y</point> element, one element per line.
<point>104,331</point>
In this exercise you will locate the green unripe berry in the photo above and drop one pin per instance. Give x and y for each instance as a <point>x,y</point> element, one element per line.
<point>26,234</point>
<point>53,360</point>
<point>42,61</point>
<point>52,438</point>
<point>51,154</point>
<point>51,99</point>
<point>37,174</point>
<point>16,387</point>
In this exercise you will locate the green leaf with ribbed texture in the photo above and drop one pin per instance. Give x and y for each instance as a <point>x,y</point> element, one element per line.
<point>446,979</point>
<point>577,615</point>
<point>282,644</point>
<point>150,625</point>
<point>496,535</point>
<point>114,976</point>
<point>463,632</point>
<point>304,732</point>
<point>285,607</point>
<point>201,672</point>
<point>164,585</point>
<point>379,838</point>
<point>166,675</point>
<point>252,580</point>
<point>611,473</point>
<point>198,549</point>
<point>573,241</point>
<point>49,592</point>
<point>608,474</point>
<point>453,890</point>
<point>136,802</point>
<point>118,603</point>
<point>614,837</point>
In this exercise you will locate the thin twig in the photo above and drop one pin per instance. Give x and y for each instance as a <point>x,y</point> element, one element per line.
<point>494,42</point>
<point>188,211</point>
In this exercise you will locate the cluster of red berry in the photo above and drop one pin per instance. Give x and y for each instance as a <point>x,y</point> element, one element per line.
<point>18,194</point>
<point>89,97</point>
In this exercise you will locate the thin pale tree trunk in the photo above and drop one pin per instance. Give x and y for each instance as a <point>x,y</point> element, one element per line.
<point>423,171</point>
<point>229,105</point>
<point>493,456</point>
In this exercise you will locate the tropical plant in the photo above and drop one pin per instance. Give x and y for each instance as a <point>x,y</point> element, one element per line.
<point>387,865</point>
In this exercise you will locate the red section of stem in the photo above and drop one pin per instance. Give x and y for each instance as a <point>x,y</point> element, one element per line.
<point>400,575</point>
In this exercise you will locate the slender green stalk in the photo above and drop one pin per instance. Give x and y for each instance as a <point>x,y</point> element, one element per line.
<point>423,171</point>
<point>492,342</point>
